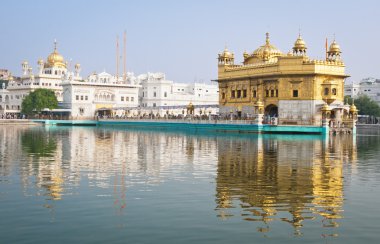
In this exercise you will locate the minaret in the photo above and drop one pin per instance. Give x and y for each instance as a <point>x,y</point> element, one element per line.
<point>125,56</point>
<point>117,58</point>
<point>40,63</point>
<point>25,67</point>
<point>77,70</point>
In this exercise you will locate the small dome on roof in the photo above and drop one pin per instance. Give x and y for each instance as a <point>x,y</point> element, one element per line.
<point>299,44</point>
<point>334,47</point>
<point>226,53</point>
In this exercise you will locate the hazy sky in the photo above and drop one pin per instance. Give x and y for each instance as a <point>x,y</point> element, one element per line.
<point>183,38</point>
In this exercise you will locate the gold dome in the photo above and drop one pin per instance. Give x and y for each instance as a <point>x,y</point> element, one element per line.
<point>325,107</point>
<point>226,53</point>
<point>55,59</point>
<point>299,44</point>
<point>334,47</point>
<point>353,108</point>
<point>267,51</point>
<point>245,54</point>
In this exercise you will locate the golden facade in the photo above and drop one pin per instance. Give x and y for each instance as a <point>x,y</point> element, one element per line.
<point>291,87</point>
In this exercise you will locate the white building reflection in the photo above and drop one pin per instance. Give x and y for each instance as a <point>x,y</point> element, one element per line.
<point>57,159</point>
<point>261,178</point>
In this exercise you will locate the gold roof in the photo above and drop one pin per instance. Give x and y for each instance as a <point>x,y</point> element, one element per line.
<point>299,44</point>
<point>353,108</point>
<point>55,59</point>
<point>226,53</point>
<point>334,47</point>
<point>268,50</point>
<point>325,107</point>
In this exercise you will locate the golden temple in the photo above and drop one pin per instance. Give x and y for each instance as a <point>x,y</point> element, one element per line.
<point>292,88</point>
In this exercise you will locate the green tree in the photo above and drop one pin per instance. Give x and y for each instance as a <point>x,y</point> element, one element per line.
<point>365,105</point>
<point>37,100</point>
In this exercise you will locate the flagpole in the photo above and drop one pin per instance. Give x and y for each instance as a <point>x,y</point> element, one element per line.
<point>326,44</point>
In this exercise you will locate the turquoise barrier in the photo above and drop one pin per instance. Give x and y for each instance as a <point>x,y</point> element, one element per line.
<point>224,126</point>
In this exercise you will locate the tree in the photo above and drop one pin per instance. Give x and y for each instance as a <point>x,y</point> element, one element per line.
<point>365,105</point>
<point>37,100</point>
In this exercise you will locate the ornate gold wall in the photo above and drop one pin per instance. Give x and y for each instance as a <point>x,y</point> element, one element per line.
<point>270,76</point>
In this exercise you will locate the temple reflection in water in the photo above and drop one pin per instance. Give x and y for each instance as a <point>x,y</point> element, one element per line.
<point>283,178</point>
<point>262,178</point>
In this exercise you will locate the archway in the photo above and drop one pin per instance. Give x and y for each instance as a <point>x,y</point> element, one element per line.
<point>271,110</point>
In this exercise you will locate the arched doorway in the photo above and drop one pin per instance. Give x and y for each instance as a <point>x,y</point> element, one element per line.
<point>271,110</point>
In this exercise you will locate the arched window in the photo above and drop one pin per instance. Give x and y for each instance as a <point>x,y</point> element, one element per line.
<point>333,91</point>
<point>326,91</point>
<point>56,72</point>
<point>165,94</point>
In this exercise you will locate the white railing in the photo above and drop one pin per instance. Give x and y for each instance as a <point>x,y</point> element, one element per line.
<point>185,120</point>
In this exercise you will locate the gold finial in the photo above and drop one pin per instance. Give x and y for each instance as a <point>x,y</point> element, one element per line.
<point>55,44</point>
<point>267,38</point>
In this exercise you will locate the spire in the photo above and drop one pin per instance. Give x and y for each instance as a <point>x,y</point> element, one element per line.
<point>124,55</point>
<point>267,38</point>
<point>117,58</point>
<point>55,45</point>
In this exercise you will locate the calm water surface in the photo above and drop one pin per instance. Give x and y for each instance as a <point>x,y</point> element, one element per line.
<point>99,185</point>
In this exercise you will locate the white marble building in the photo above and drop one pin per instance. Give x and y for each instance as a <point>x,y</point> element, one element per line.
<point>368,86</point>
<point>100,94</point>
<point>147,94</point>
<point>105,94</point>
<point>157,91</point>
<point>49,75</point>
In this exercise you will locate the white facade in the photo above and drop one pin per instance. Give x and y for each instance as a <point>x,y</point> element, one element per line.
<point>49,75</point>
<point>99,92</point>
<point>105,94</point>
<point>367,86</point>
<point>157,91</point>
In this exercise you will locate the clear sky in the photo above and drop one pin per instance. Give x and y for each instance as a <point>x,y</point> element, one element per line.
<point>183,38</point>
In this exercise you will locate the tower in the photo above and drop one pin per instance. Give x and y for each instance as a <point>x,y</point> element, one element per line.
<point>299,48</point>
<point>40,66</point>
<point>334,52</point>
<point>117,58</point>
<point>77,70</point>
<point>226,57</point>
<point>25,67</point>
<point>125,56</point>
